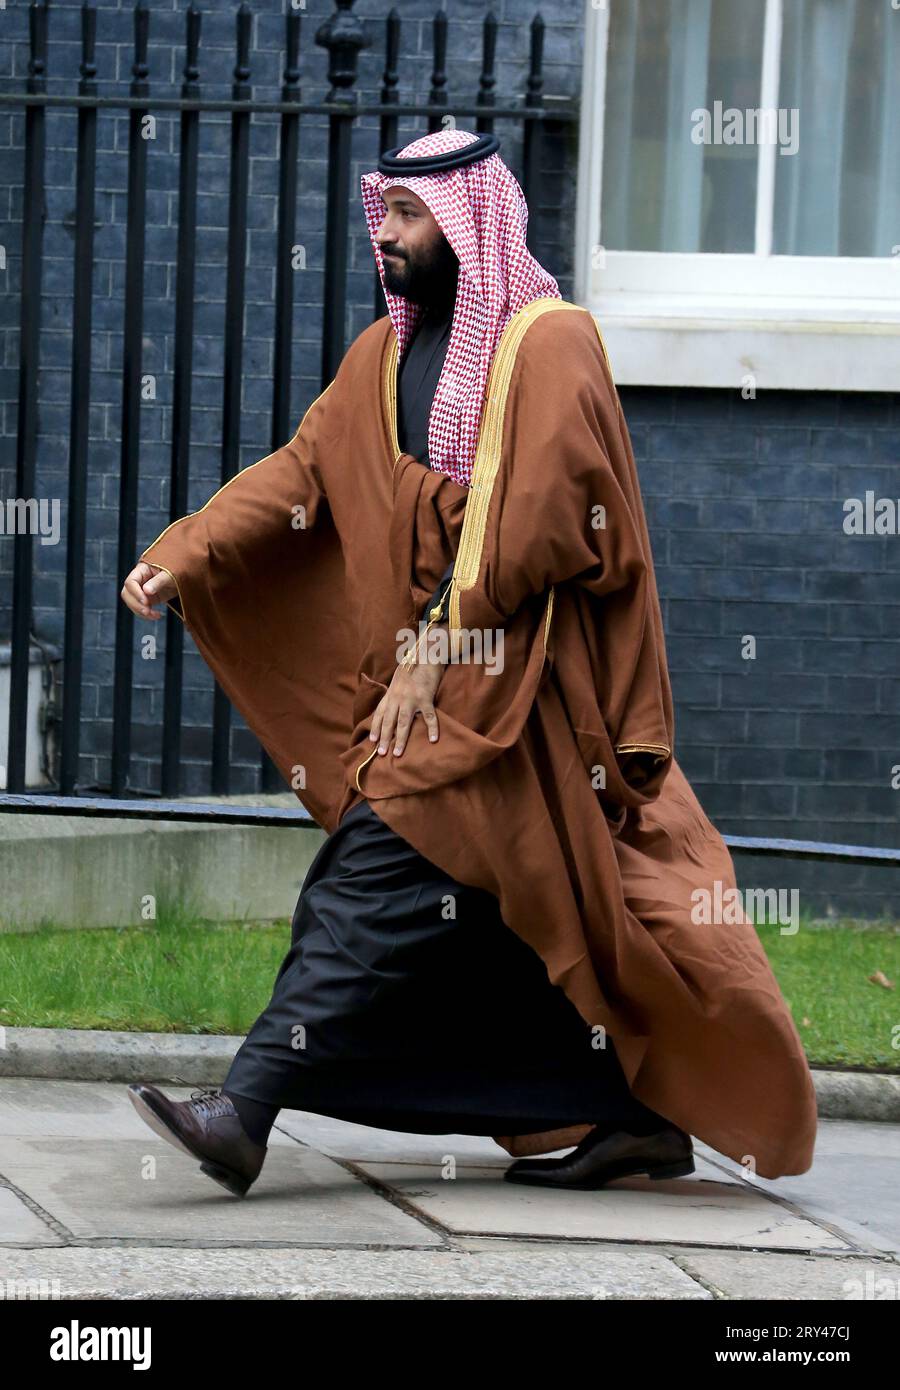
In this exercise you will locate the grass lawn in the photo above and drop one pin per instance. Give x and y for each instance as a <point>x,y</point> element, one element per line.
<point>844,1019</point>
<point>170,976</point>
<point>175,976</point>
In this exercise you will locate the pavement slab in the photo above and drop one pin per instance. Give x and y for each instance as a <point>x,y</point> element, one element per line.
<point>852,1183</point>
<point>696,1210</point>
<point>552,1272</point>
<point>20,1225</point>
<point>82,1155</point>
<point>741,1275</point>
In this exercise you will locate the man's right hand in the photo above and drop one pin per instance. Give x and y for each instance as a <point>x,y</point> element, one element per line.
<point>147,586</point>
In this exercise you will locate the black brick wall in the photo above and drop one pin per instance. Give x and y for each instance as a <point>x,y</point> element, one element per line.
<point>744,501</point>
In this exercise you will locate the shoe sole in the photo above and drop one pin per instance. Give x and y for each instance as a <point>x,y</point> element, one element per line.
<point>680,1169</point>
<point>225,1177</point>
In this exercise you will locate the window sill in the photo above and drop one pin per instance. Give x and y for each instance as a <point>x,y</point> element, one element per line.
<point>654,343</point>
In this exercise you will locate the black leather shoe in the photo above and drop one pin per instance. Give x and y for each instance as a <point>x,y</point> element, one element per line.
<point>600,1158</point>
<point>206,1127</point>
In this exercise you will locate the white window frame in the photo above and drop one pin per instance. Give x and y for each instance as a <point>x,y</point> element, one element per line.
<point>712,319</point>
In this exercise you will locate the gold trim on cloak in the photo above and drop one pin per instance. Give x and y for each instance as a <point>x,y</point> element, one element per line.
<point>487,459</point>
<point>390,395</point>
<point>489,448</point>
<point>484,474</point>
<point>363,764</point>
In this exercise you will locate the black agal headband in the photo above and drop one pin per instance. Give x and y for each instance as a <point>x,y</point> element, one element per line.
<point>389,163</point>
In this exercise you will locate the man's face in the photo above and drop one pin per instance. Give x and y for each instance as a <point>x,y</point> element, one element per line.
<point>419,262</point>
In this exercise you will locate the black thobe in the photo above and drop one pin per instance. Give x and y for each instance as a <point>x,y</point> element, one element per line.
<point>405,1001</point>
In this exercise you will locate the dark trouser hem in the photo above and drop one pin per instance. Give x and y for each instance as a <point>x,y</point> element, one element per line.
<point>447,1104</point>
<point>388,1013</point>
<point>447,1122</point>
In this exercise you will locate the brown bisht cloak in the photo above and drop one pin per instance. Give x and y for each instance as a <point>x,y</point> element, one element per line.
<point>553,783</point>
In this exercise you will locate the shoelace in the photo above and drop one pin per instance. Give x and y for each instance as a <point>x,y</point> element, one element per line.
<point>211,1102</point>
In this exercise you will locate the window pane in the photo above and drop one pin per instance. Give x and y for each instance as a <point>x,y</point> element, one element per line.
<point>839,195</point>
<point>663,191</point>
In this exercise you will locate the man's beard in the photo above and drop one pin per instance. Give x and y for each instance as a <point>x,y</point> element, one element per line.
<point>429,280</point>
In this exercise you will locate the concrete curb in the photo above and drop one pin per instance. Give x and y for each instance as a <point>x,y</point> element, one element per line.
<point>188,1059</point>
<point>93,1054</point>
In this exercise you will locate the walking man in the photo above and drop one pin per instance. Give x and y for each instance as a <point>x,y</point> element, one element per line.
<point>436,608</point>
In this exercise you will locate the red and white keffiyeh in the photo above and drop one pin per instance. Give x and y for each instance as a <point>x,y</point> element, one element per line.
<point>482,212</point>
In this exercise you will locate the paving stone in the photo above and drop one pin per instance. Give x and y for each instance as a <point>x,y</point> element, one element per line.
<point>557,1272</point>
<point>145,1189</point>
<point>19,1225</point>
<point>695,1210</point>
<point>737,1274</point>
<point>852,1183</point>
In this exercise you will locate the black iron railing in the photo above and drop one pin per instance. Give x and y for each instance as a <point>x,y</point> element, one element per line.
<point>342,36</point>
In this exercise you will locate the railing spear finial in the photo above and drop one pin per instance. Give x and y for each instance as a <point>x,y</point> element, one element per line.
<point>343,34</point>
